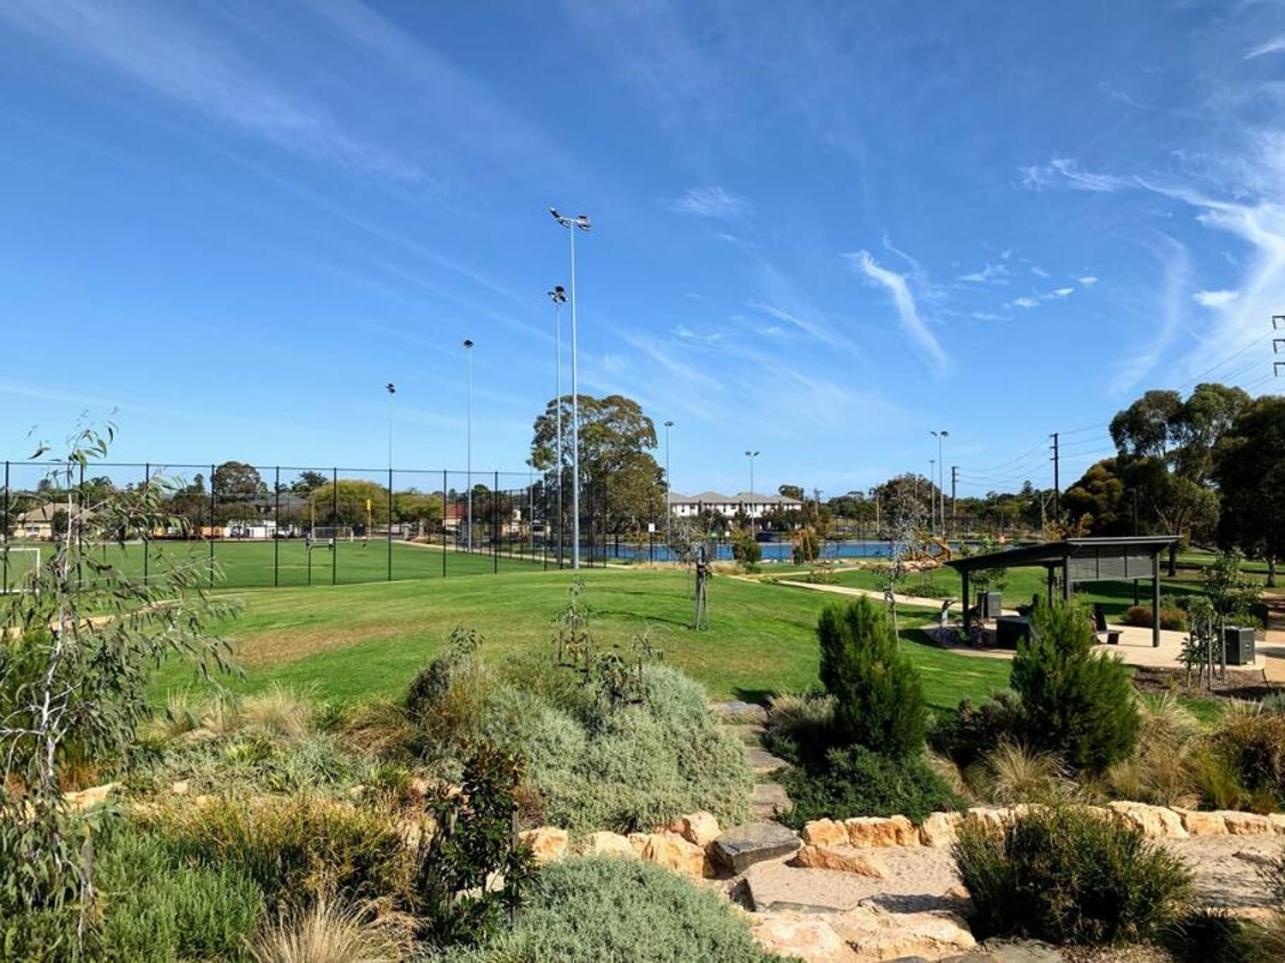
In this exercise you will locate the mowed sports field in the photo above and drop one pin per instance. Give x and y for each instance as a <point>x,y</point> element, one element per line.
<point>351,643</point>
<point>251,564</point>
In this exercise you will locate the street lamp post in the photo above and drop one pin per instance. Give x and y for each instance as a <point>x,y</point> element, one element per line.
<point>932,496</point>
<point>669,490</point>
<point>751,455</point>
<point>468,352</point>
<point>579,222</point>
<point>941,434</point>
<point>392,390</point>
<point>559,297</point>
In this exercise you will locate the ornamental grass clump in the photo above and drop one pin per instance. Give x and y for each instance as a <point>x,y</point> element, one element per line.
<point>1070,875</point>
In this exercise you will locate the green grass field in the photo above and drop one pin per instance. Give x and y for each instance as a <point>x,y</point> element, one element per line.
<point>360,642</point>
<point>245,564</point>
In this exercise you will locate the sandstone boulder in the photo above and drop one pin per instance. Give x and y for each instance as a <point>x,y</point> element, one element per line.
<point>873,933</point>
<point>742,846</point>
<point>546,843</point>
<point>881,831</point>
<point>605,844</point>
<point>1156,822</point>
<point>700,828</point>
<point>940,829</point>
<point>1202,823</point>
<point>674,852</point>
<point>844,859</point>
<point>88,798</point>
<point>807,938</point>
<point>825,832</point>
<point>1277,823</point>
<point>1246,824</point>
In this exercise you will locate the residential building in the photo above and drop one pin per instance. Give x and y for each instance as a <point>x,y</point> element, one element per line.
<point>753,504</point>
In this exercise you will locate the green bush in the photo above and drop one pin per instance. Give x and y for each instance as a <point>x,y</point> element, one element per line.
<point>745,548</point>
<point>592,761</point>
<point>600,908</point>
<point>857,782</point>
<point>1068,875</point>
<point>295,849</point>
<point>1211,936</point>
<point>156,907</point>
<point>1252,745</point>
<point>973,732</point>
<point>1173,618</point>
<point>878,698</point>
<point>1077,704</point>
<point>800,727</point>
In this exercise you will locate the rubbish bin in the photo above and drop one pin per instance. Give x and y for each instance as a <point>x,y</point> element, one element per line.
<point>991,604</point>
<point>1239,643</point>
<point>1011,629</point>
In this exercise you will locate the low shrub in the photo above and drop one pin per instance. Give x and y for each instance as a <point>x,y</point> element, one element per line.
<point>1067,875</point>
<point>1253,746</point>
<point>600,908</point>
<point>1172,617</point>
<point>973,731</point>
<point>154,906</point>
<point>878,698</point>
<point>332,933</point>
<point>1211,936</point>
<point>295,849</point>
<point>1078,704</point>
<point>800,728</point>
<point>857,782</point>
<point>1017,775</point>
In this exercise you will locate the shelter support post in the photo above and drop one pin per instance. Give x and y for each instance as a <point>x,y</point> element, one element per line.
<point>1052,582</point>
<point>1155,600</point>
<point>1066,579</point>
<point>968,608</point>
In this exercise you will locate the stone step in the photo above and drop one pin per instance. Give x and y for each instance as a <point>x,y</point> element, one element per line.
<point>774,887</point>
<point>739,712</point>
<point>748,733</point>
<point>767,799</point>
<point>737,849</point>
<point>763,762</point>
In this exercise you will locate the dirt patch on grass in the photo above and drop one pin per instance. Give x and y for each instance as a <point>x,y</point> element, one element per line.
<point>291,645</point>
<point>1248,684</point>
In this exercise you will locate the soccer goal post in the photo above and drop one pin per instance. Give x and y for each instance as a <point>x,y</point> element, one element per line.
<point>17,562</point>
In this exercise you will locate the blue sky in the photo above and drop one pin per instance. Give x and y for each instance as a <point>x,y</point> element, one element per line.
<point>819,230</point>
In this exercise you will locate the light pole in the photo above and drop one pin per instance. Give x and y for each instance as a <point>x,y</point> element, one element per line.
<point>579,222</point>
<point>941,434</point>
<point>669,490</point>
<point>392,390</point>
<point>751,455</point>
<point>559,297</point>
<point>932,496</point>
<point>468,353</point>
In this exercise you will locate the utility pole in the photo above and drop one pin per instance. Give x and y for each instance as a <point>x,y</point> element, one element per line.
<point>954,482</point>
<point>669,491</point>
<point>1057,487</point>
<point>1278,344</point>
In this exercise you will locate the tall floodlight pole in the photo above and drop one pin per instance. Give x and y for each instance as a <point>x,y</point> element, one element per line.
<point>559,297</point>
<point>392,390</point>
<point>579,222</point>
<point>468,353</point>
<point>932,496</point>
<point>940,434</point>
<point>669,490</point>
<point>751,455</point>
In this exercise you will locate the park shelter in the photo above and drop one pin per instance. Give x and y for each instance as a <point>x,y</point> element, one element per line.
<point>1125,558</point>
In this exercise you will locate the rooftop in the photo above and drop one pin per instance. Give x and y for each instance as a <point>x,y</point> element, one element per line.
<point>712,497</point>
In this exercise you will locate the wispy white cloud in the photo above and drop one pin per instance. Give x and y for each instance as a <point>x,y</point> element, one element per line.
<point>1038,271</point>
<point>1035,300</point>
<point>1088,280</point>
<point>712,202</point>
<point>1171,314</point>
<point>784,302</point>
<point>987,316</point>
<point>1067,172</point>
<point>904,302</point>
<point>997,273</point>
<point>1025,302</point>
<point>1270,47</point>
<point>1060,293</point>
<point>1215,299</point>
<point>155,47</point>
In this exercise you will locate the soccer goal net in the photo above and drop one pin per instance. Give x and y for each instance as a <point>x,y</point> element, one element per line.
<point>17,562</point>
<point>327,533</point>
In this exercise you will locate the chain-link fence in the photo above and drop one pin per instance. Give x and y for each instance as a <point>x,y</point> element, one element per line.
<point>260,526</point>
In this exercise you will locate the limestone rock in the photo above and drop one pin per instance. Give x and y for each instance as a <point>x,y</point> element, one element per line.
<point>940,829</point>
<point>605,844</point>
<point>1246,824</point>
<point>876,934</point>
<point>742,846</point>
<point>700,828</point>
<point>182,787</point>
<point>989,818</point>
<point>763,762</point>
<point>1202,823</point>
<point>776,887</point>
<point>739,713</point>
<point>881,831</point>
<point>767,799</point>
<point>87,798</point>
<point>1277,823</point>
<point>1156,822</point>
<point>844,859</point>
<point>825,832</point>
<point>810,939</point>
<point>674,852</point>
<point>546,843</point>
